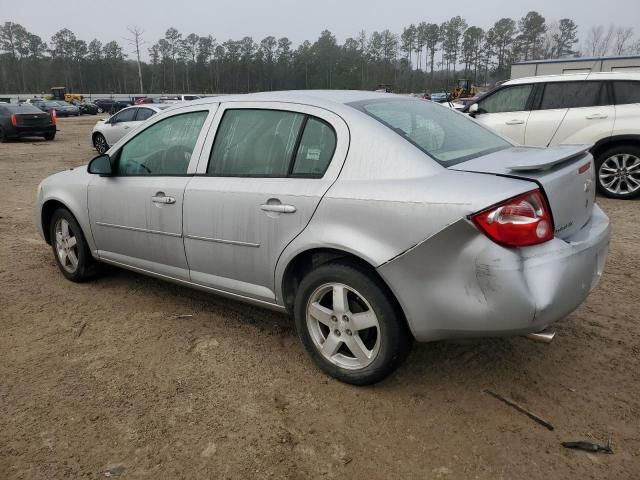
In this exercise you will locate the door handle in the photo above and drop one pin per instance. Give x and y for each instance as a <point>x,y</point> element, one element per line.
<point>279,208</point>
<point>596,116</point>
<point>514,122</point>
<point>160,197</point>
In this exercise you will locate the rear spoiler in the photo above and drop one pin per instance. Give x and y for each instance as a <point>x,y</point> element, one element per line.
<point>539,162</point>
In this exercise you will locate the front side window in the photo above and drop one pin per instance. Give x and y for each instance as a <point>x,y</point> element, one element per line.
<point>573,95</point>
<point>164,148</point>
<point>626,92</point>
<point>508,99</point>
<point>124,116</point>
<point>446,136</point>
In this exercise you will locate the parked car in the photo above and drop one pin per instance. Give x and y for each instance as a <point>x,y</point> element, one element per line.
<point>373,219</point>
<point>86,108</point>
<point>25,120</point>
<point>108,132</point>
<point>63,109</point>
<point>601,109</point>
<point>109,105</point>
<point>179,98</point>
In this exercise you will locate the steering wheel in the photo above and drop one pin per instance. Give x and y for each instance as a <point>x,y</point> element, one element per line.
<point>177,155</point>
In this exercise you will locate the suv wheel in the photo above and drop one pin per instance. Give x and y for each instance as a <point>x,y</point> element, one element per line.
<point>349,324</point>
<point>618,172</point>
<point>70,247</point>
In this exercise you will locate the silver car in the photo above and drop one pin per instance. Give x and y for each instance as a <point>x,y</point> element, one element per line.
<point>373,219</point>
<point>109,131</point>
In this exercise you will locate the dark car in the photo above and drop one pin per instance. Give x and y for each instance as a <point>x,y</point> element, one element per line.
<point>109,105</point>
<point>85,107</point>
<point>63,109</point>
<point>25,120</point>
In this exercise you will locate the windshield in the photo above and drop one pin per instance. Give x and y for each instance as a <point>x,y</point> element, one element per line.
<point>446,136</point>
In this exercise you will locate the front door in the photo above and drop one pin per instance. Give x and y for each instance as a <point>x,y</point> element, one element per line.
<point>259,183</point>
<point>119,125</point>
<point>136,215</point>
<point>506,111</point>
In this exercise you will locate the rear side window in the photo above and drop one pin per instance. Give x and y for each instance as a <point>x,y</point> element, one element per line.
<point>573,95</point>
<point>508,99</point>
<point>626,92</point>
<point>271,143</point>
<point>316,148</point>
<point>144,113</point>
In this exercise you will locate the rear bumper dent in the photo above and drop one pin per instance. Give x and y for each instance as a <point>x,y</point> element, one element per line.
<point>460,284</point>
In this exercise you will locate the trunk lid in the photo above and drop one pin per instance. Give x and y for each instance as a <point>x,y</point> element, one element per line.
<point>565,173</point>
<point>33,119</point>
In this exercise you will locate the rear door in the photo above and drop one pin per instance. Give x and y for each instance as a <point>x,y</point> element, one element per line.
<point>589,115</point>
<point>506,111</point>
<point>259,181</point>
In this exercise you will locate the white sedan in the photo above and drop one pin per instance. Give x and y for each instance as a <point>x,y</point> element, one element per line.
<point>108,132</point>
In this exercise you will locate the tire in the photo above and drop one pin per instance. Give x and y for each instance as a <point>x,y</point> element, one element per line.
<point>100,143</point>
<point>50,136</point>
<point>371,324</point>
<point>100,110</point>
<point>70,247</point>
<point>3,137</point>
<point>618,172</point>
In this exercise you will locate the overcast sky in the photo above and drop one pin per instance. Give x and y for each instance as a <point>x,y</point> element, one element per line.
<point>297,19</point>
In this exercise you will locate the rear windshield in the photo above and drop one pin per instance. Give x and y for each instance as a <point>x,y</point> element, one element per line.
<point>21,108</point>
<point>445,135</point>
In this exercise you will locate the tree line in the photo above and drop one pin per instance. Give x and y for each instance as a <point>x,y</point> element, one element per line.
<point>423,57</point>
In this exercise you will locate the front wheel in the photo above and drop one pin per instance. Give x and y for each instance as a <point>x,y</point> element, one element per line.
<point>349,324</point>
<point>618,172</point>
<point>100,143</point>
<point>70,248</point>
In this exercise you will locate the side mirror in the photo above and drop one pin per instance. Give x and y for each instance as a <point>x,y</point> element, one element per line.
<point>101,165</point>
<point>474,109</point>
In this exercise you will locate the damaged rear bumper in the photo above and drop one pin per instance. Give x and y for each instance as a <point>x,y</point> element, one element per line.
<point>459,283</point>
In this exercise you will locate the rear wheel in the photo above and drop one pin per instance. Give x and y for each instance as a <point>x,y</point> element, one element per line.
<point>70,248</point>
<point>618,172</point>
<point>100,143</point>
<point>3,137</point>
<point>49,136</point>
<point>349,324</point>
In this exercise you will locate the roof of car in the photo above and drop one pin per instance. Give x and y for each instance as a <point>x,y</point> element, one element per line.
<point>320,98</point>
<point>565,77</point>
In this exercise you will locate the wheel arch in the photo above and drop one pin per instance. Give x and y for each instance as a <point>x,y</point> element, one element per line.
<point>46,213</point>
<point>306,260</point>
<point>615,140</point>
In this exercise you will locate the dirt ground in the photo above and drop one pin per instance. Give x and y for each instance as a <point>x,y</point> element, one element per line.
<point>108,375</point>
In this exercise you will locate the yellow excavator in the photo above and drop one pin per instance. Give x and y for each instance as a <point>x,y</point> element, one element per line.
<point>463,88</point>
<point>60,93</point>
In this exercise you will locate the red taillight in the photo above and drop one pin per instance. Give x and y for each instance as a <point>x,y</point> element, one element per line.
<point>54,116</point>
<point>14,120</point>
<point>517,222</point>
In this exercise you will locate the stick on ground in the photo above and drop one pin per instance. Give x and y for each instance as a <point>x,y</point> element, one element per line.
<point>520,408</point>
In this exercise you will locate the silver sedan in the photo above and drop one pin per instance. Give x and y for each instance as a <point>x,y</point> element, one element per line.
<point>373,219</point>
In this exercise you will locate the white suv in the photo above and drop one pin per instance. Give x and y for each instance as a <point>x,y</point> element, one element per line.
<point>602,109</point>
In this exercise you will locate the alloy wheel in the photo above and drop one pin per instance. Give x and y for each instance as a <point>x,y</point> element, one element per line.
<point>620,174</point>
<point>100,143</point>
<point>343,326</point>
<point>66,245</point>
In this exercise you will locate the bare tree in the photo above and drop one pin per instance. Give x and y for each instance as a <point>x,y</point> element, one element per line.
<point>623,35</point>
<point>137,41</point>
<point>598,41</point>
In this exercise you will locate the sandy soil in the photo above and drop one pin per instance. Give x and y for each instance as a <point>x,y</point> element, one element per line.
<point>107,375</point>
